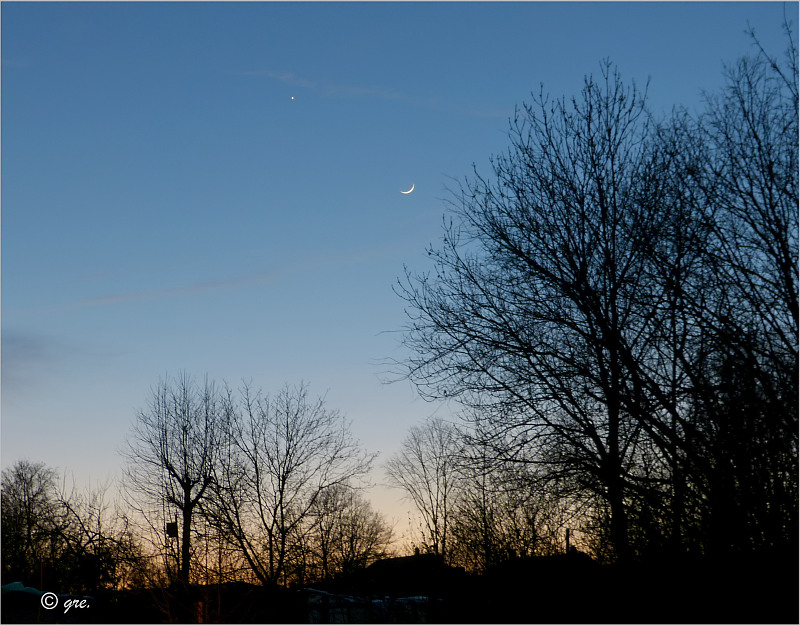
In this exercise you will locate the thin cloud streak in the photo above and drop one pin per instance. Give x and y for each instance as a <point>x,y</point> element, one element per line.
<point>29,357</point>
<point>330,89</point>
<point>353,257</point>
<point>383,93</point>
<point>284,77</point>
<point>121,298</point>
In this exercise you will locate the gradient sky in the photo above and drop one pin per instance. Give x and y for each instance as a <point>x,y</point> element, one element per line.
<point>215,187</point>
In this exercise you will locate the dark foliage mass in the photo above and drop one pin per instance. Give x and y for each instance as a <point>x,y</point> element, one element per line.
<point>615,308</point>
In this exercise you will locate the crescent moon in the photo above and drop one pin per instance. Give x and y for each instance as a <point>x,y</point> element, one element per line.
<point>409,191</point>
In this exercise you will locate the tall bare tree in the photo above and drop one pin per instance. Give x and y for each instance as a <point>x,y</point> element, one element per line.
<point>619,300</point>
<point>533,309</point>
<point>172,457</point>
<point>283,453</point>
<point>426,469</point>
<point>745,376</point>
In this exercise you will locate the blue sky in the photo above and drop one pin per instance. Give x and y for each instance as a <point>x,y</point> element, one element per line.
<point>215,187</point>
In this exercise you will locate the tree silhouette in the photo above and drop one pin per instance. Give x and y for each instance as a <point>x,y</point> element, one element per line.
<point>31,520</point>
<point>425,468</point>
<point>533,304</point>
<point>346,534</point>
<point>66,540</point>
<point>172,456</point>
<point>282,454</point>
<point>618,302</point>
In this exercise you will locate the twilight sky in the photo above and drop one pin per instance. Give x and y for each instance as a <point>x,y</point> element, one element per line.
<point>215,187</point>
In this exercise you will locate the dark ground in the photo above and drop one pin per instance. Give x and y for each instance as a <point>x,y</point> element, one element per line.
<point>421,589</point>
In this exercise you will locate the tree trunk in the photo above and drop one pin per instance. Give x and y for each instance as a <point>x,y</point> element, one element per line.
<point>186,537</point>
<point>614,481</point>
<point>619,520</point>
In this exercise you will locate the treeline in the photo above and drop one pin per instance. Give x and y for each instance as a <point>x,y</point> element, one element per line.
<point>56,537</point>
<point>220,485</point>
<point>616,308</point>
<point>475,510</point>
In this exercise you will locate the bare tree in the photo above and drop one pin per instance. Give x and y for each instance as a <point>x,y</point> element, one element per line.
<point>100,547</point>
<point>503,509</point>
<point>31,522</point>
<point>347,534</point>
<point>284,452</point>
<point>426,469</point>
<point>619,301</point>
<point>62,538</point>
<point>534,308</point>
<point>744,376</point>
<point>172,456</point>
